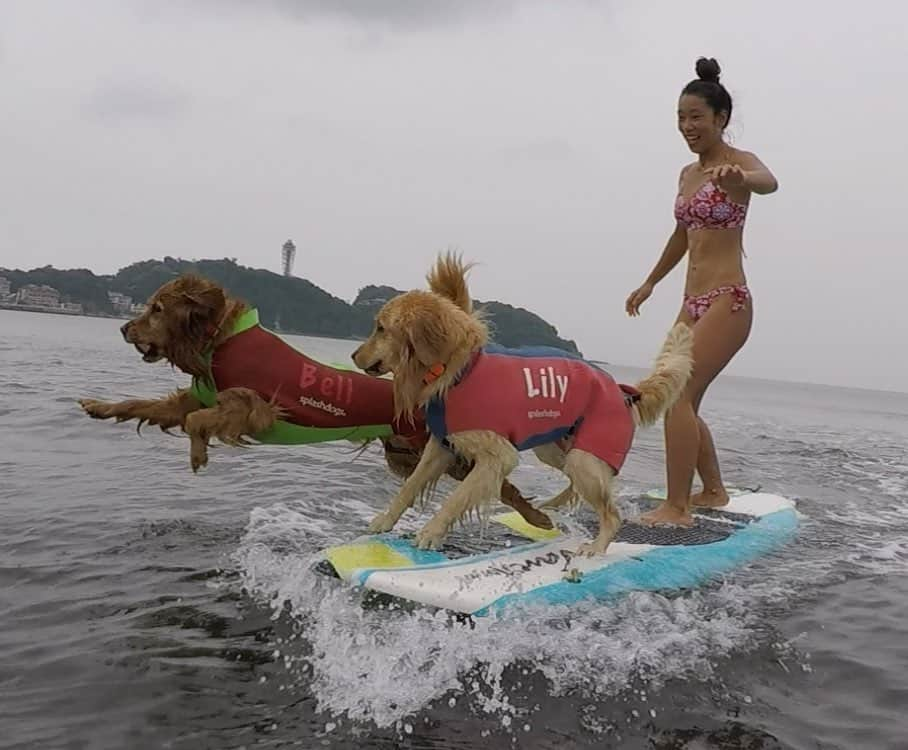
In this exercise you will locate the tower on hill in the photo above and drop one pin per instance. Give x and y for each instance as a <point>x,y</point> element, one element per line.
<point>288,255</point>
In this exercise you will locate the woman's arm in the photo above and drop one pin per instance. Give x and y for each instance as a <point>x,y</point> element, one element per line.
<point>749,173</point>
<point>674,250</point>
<point>757,177</point>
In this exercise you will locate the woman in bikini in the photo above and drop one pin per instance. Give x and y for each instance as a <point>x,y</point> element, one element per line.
<point>713,196</point>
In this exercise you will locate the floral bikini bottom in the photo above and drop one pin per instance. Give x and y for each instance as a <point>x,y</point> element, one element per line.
<point>697,306</point>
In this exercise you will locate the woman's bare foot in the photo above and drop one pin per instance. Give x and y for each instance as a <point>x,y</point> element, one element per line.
<point>667,514</point>
<point>715,498</point>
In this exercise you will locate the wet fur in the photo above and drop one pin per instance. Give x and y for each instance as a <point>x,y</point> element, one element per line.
<point>184,318</point>
<point>419,329</point>
<point>189,315</point>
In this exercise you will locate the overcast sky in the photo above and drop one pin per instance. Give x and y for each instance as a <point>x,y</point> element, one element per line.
<point>537,137</point>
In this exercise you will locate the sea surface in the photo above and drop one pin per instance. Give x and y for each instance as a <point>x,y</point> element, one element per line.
<point>142,606</point>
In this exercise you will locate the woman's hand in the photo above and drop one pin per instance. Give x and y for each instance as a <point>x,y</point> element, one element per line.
<point>727,175</point>
<point>749,173</point>
<point>637,298</point>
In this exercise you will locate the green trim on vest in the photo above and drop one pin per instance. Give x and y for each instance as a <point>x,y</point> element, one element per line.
<point>281,432</point>
<point>247,320</point>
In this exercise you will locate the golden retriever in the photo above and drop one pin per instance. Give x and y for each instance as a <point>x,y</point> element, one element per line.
<point>437,351</point>
<point>191,317</point>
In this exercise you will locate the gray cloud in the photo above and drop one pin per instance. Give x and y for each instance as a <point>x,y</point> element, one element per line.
<point>537,137</point>
<point>392,13</point>
<point>137,99</point>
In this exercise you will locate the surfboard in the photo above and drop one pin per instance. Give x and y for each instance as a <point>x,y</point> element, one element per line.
<point>531,566</point>
<point>659,493</point>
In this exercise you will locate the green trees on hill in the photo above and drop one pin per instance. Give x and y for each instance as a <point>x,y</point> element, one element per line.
<point>287,304</point>
<point>510,326</point>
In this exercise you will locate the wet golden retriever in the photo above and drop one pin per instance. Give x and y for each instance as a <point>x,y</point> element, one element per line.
<point>436,348</point>
<point>189,316</point>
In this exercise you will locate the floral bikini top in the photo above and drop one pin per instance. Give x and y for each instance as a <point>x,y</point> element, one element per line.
<point>710,208</point>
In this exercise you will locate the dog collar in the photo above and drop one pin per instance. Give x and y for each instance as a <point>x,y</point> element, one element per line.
<point>247,320</point>
<point>433,373</point>
<point>438,369</point>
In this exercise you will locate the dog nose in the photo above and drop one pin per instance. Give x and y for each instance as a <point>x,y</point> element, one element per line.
<point>124,329</point>
<point>353,356</point>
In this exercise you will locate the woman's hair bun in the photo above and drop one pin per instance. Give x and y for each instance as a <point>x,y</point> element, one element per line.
<point>708,69</point>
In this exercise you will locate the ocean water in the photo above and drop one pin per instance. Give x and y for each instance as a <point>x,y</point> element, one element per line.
<point>142,606</point>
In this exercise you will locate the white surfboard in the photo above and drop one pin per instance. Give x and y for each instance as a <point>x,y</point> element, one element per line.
<point>545,568</point>
<point>660,494</point>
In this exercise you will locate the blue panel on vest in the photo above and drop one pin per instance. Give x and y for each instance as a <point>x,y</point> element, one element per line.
<point>545,437</point>
<point>435,419</point>
<point>532,351</point>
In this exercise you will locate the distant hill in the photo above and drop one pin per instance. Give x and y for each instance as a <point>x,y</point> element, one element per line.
<point>285,303</point>
<point>510,326</point>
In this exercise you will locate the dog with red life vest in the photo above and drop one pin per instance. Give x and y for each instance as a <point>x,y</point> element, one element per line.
<point>250,383</point>
<point>485,404</point>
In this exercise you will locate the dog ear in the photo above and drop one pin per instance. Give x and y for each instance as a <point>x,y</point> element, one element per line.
<point>408,378</point>
<point>200,307</point>
<point>194,310</point>
<point>420,341</point>
<point>428,339</point>
<point>203,297</point>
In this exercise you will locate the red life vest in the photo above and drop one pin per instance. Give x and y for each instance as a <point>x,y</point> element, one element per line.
<point>320,402</point>
<point>538,395</point>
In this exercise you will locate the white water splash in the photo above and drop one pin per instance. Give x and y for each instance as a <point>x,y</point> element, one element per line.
<point>386,665</point>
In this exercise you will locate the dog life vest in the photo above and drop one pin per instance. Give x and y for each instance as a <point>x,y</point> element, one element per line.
<point>320,402</point>
<point>535,396</point>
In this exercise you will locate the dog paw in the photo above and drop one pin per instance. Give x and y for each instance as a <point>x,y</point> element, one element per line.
<point>430,536</point>
<point>381,523</point>
<point>198,458</point>
<point>95,409</point>
<point>591,549</point>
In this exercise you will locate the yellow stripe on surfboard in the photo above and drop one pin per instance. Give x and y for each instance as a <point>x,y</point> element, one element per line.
<point>518,524</point>
<point>346,558</point>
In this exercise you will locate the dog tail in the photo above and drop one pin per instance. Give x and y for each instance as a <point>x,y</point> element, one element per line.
<point>668,378</point>
<point>448,278</point>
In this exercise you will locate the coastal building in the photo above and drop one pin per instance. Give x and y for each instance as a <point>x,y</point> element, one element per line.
<point>38,295</point>
<point>373,301</point>
<point>121,303</point>
<point>4,288</point>
<point>73,307</point>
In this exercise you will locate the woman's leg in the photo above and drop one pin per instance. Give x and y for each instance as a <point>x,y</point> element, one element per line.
<point>713,494</point>
<point>718,335</point>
